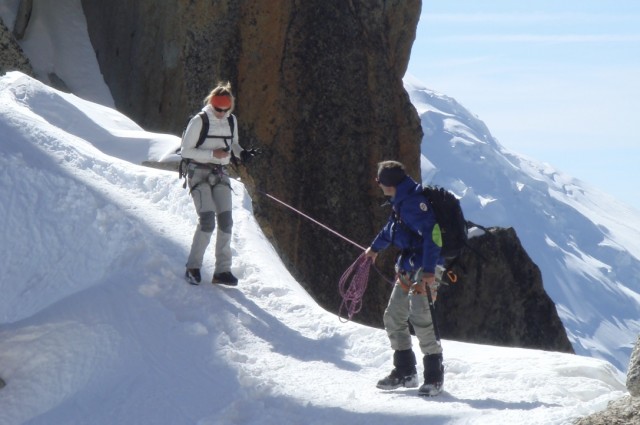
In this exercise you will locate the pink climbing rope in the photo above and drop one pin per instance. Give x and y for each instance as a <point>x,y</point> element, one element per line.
<point>353,285</point>
<point>313,220</point>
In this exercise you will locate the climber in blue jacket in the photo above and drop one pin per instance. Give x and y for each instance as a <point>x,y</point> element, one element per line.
<point>413,229</point>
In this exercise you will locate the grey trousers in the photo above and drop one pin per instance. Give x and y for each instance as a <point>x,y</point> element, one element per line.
<point>405,307</point>
<point>211,194</point>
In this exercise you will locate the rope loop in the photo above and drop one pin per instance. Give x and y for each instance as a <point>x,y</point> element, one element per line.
<point>352,287</point>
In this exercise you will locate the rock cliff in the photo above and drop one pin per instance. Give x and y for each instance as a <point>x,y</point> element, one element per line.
<point>499,297</point>
<point>12,57</point>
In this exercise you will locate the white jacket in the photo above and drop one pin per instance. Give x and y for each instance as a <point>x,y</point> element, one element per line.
<point>217,127</point>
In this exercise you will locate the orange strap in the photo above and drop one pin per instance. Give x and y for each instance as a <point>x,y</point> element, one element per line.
<point>453,278</point>
<point>407,285</point>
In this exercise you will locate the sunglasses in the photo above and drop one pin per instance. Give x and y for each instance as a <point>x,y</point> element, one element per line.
<point>220,110</point>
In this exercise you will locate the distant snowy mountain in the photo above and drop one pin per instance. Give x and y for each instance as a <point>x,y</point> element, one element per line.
<point>586,243</point>
<point>98,327</point>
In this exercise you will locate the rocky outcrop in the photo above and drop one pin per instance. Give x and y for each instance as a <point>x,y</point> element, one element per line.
<point>626,410</point>
<point>633,376</point>
<point>319,89</point>
<point>12,58</point>
<point>499,297</point>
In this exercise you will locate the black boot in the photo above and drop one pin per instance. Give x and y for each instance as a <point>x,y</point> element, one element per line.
<point>225,278</point>
<point>433,375</point>
<point>193,276</point>
<point>404,373</point>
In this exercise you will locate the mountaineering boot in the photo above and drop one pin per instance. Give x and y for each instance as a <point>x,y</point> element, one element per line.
<point>404,373</point>
<point>193,276</point>
<point>398,379</point>
<point>433,375</point>
<point>225,278</point>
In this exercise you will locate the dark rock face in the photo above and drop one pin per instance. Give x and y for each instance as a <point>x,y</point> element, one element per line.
<point>499,298</point>
<point>625,410</point>
<point>344,110</point>
<point>633,375</point>
<point>12,58</point>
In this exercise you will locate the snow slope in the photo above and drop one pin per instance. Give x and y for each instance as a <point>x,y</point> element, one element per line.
<point>98,327</point>
<point>586,243</point>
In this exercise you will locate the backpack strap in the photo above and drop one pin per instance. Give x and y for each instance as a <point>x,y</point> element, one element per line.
<point>204,134</point>
<point>231,120</point>
<point>204,130</point>
<point>232,126</point>
<point>184,162</point>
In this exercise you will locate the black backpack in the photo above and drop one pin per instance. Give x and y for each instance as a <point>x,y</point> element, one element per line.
<point>184,162</point>
<point>449,216</point>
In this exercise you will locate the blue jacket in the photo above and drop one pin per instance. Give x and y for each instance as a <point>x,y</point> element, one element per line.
<point>412,227</point>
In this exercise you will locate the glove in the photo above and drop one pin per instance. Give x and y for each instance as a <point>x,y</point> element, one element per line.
<point>425,282</point>
<point>433,288</point>
<point>247,155</point>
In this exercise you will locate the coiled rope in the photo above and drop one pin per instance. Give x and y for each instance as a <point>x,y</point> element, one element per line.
<point>352,286</point>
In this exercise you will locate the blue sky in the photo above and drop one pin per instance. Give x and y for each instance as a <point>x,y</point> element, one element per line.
<point>556,81</point>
